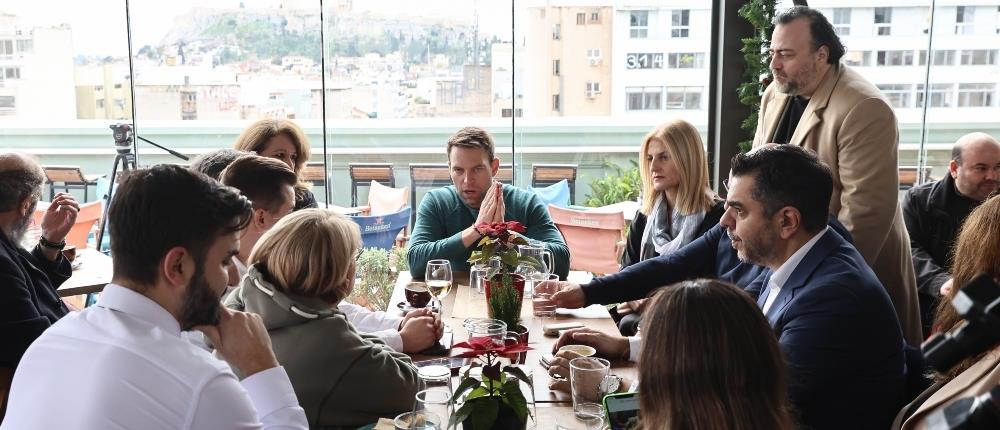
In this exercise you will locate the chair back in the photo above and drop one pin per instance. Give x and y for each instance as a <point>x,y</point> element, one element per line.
<point>380,231</point>
<point>548,174</point>
<point>383,200</point>
<point>89,214</point>
<point>595,239</point>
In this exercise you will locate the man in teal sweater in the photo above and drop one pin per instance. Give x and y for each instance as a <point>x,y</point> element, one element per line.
<point>447,217</point>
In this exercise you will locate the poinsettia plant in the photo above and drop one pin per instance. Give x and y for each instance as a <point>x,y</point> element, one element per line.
<point>499,243</point>
<point>498,389</point>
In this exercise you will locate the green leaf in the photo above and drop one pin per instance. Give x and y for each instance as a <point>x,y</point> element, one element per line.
<point>461,414</point>
<point>464,386</point>
<point>519,374</point>
<point>477,393</point>
<point>484,413</point>
<point>514,398</point>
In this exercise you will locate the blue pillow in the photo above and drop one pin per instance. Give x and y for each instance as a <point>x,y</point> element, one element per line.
<point>556,194</point>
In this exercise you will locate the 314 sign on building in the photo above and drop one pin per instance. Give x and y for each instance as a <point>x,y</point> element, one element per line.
<point>644,61</point>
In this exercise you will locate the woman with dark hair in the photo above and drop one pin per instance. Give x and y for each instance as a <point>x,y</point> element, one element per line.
<point>678,205</point>
<point>710,361</point>
<point>285,141</point>
<point>977,251</point>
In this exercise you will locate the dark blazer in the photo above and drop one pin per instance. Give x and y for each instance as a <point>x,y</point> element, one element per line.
<point>28,300</point>
<point>633,246</point>
<point>709,256</point>
<point>841,338</point>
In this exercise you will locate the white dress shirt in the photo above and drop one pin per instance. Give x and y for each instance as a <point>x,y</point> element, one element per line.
<point>379,324</point>
<point>122,364</point>
<point>780,276</point>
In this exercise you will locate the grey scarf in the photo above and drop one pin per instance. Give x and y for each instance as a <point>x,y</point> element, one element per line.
<point>667,231</point>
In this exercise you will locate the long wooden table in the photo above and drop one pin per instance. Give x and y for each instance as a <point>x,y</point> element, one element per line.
<point>464,303</point>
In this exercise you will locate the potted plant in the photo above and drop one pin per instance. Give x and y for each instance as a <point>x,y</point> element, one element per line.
<point>504,288</point>
<point>376,280</point>
<point>495,401</point>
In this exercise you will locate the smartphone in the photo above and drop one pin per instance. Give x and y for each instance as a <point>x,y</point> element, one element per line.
<point>546,360</point>
<point>622,410</point>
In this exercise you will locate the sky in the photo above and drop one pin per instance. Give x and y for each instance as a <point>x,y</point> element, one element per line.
<point>99,25</point>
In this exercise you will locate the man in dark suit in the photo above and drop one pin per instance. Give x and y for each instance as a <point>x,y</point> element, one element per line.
<point>834,321</point>
<point>28,280</point>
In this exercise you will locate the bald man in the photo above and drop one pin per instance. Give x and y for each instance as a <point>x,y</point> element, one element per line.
<point>934,212</point>
<point>28,280</point>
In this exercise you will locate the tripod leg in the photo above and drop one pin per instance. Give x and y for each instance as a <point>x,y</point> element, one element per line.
<point>107,199</point>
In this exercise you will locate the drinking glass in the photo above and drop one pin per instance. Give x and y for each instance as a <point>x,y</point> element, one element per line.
<point>435,377</point>
<point>541,298</point>
<point>588,419</point>
<point>585,377</point>
<point>477,278</point>
<point>437,402</point>
<point>438,280</point>
<point>420,420</point>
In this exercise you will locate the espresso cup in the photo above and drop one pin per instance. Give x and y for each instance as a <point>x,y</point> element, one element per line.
<point>417,295</point>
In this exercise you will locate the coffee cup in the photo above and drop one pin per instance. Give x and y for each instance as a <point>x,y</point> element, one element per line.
<point>581,350</point>
<point>417,295</point>
<point>69,252</point>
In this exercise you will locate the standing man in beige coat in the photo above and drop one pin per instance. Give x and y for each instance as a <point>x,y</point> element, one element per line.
<point>820,104</point>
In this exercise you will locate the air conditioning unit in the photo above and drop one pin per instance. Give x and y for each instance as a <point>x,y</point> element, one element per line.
<point>595,61</point>
<point>591,94</point>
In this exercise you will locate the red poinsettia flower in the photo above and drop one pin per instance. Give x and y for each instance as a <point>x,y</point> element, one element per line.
<point>478,346</point>
<point>516,226</point>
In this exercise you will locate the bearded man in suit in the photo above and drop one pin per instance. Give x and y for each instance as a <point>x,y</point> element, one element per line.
<point>820,104</point>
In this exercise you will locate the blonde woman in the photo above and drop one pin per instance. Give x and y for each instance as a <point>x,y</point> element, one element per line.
<point>678,206</point>
<point>285,141</point>
<point>299,270</point>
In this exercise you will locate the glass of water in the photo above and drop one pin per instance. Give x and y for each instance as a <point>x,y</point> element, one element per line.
<point>541,296</point>
<point>477,278</point>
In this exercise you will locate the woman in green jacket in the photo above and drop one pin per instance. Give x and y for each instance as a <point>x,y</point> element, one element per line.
<point>300,270</point>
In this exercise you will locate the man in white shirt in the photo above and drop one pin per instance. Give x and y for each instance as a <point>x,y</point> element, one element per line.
<point>269,184</point>
<point>835,323</point>
<point>123,363</point>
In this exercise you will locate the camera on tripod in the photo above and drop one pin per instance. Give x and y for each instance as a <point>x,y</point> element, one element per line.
<point>978,303</point>
<point>122,134</point>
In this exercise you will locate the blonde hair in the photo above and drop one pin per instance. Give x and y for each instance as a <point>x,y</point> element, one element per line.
<point>685,149</point>
<point>309,253</point>
<point>976,251</point>
<point>256,136</point>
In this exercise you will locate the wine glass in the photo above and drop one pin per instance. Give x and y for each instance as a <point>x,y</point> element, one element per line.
<point>438,280</point>
<point>437,402</point>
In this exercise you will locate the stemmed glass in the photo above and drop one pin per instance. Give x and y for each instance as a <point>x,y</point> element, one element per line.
<point>438,280</point>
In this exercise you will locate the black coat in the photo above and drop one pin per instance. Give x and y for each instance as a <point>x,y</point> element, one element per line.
<point>29,303</point>
<point>633,246</point>
<point>934,212</point>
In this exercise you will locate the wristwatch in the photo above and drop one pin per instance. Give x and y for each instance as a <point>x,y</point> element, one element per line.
<point>50,244</point>
<point>610,384</point>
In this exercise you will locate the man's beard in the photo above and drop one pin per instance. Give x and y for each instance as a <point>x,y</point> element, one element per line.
<point>201,305</point>
<point>758,250</point>
<point>793,84</point>
<point>20,229</point>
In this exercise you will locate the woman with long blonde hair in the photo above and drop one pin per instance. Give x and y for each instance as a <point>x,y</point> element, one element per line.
<point>710,360</point>
<point>678,206</point>
<point>284,140</point>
